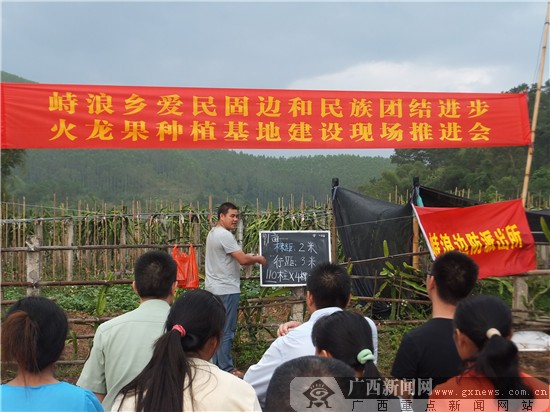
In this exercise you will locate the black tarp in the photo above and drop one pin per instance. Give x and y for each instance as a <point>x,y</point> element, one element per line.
<point>363,223</point>
<point>436,198</point>
<point>533,218</point>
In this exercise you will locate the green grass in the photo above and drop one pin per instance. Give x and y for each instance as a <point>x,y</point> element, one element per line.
<point>120,298</point>
<point>389,338</point>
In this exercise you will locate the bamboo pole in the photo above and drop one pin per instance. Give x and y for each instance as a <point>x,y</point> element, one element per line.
<point>54,228</point>
<point>114,255</point>
<point>24,227</point>
<point>415,244</point>
<point>521,290</point>
<point>123,254</point>
<point>69,254</point>
<point>34,263</point>
<point>534,120</point>
<point>334,231</point>
<point>96,242</point>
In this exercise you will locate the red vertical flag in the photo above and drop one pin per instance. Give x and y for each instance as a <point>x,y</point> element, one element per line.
<point>497,236</point>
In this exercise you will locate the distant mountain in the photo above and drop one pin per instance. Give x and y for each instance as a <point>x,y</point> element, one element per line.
<point>116,176</point>
<point>12,78</point>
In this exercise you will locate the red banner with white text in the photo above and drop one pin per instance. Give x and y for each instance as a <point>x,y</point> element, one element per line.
<point>497,236</point>
<point>51,116</point>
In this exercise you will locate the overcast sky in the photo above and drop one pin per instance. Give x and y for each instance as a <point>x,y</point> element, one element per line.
<point>469,46</point>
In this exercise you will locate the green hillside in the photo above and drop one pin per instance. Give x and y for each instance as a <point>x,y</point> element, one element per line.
<point>12,78</point>
<point>188,175</point>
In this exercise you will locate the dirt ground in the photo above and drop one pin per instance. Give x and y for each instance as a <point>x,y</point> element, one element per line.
<point>536,364</point>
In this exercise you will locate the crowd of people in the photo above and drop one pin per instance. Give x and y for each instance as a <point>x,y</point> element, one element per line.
<point>175,354</point>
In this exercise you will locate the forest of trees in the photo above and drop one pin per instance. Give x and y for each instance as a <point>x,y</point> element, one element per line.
<point>193,175</point>
<point>114,176</point>
<point>489,171</point>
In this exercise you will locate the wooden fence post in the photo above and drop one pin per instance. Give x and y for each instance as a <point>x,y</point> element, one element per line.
<point>416,243</point>
<point>122,241</point>
<point>34,259</point>
<point>297,310</point>
<point>69,254</point>
<point>196,225</point>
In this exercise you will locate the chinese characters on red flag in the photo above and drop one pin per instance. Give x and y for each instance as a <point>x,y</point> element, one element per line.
<point>497,236</point>
<point>109,117</point>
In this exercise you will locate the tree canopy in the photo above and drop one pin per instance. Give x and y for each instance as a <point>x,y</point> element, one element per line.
<point>116,176</point>
<point>487,171</point>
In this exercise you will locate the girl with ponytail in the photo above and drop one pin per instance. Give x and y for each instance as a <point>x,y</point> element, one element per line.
<point>33,336</point>
<point>483,328</point>
<point>179,376</point>
<point>347,336</point>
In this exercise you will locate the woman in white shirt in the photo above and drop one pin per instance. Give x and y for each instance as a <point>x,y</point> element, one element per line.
<point>179,376</point>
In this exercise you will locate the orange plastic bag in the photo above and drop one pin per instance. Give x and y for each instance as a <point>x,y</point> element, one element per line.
<point>188,272</point>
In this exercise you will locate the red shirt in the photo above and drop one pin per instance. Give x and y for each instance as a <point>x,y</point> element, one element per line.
<point>473,392</point>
